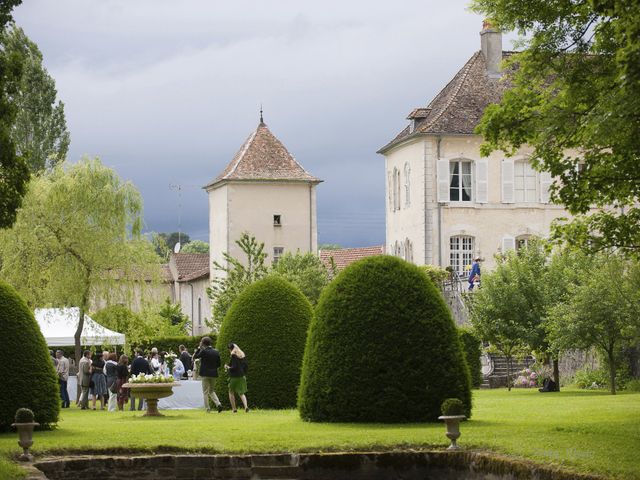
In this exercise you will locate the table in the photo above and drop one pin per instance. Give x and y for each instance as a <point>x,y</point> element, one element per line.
<point>187,397</point>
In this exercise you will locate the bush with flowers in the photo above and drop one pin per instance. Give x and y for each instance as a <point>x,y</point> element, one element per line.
<point>527,378</point>
<point>170,358</point>
<point>147,378</point>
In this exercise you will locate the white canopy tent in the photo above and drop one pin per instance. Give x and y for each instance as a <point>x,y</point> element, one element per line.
<point>58,325</point>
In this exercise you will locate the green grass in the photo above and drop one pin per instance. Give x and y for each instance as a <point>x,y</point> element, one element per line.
<point>584,431</point>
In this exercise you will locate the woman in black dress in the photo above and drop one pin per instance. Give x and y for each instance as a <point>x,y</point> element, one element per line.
<point>122,376</point>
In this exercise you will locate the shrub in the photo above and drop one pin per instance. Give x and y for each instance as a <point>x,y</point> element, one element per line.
<point>269,322</point>
<point>382,348</point>
<point>24,415</point>
<point>472,348</point>
<point>591,379</point>
<point>166,344</point>
<point>452,406</point>
<point>633,385</point>
<point>32,382</point>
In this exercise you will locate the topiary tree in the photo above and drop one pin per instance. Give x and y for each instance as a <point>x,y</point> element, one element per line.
<point>32,383</point>
<point>472,348</point>
<point>269,322</point>
<point>382,348</point>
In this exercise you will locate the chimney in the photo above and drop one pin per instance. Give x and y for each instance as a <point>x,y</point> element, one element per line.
<point>491,45</point>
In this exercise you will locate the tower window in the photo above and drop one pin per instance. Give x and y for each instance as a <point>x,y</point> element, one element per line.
<point>277,221</point>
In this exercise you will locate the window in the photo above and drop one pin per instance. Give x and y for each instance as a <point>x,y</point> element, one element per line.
<point>396,189</point>
<point>407,184</point>
<point>277,221</point>
<point>408,250</point>
<point>525,183</point>
<point>277,253</point>
<point>523,241</point>
<point>390,190</point>
<point>460,181</point>
<point>199,311</point>
<point>461,253</point>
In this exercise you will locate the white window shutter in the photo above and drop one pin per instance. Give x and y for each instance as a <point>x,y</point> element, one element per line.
<point>443,180</point>
<point>508,243</point>
<point>545,184</point>
<point>482,181</point>
<point>508,181</point>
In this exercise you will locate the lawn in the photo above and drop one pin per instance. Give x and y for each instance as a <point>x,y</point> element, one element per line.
<point>584,431</point>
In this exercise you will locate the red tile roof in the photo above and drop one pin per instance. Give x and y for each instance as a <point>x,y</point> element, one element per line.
<point>190,265</point>
<point>459,106</point>
<point>263,157</point>
<point>346,256</point>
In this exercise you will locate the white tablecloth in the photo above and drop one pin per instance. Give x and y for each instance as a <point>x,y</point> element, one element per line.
<point>187,396</point>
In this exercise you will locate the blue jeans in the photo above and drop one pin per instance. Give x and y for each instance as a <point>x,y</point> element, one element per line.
<point>64,394</point>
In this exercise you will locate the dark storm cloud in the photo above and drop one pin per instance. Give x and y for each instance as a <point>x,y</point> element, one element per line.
<point>165,92</point>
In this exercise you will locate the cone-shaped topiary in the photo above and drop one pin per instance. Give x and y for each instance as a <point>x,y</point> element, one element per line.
<point>472,348</point>
<point>32,381</point>
<point>382,348</point>
<point>269,322</point>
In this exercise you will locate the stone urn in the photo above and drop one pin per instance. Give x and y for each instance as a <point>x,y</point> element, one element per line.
<point>151,392</point>
<point>25,438</point>
<point>453,429</point>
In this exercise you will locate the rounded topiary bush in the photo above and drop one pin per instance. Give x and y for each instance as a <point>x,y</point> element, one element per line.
<point>269,322</point>
<point>472,348</point>
<point>381,348</point>
<point>31,380</point>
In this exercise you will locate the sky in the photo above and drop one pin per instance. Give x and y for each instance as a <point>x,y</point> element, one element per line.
<point>166,92</point>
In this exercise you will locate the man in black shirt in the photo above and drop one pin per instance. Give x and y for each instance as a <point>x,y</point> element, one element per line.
<point>139,365</point>
<point>185,358</point>
<point>209,365</point>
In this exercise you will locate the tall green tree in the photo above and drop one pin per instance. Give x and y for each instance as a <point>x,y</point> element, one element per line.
<point>601,310</point>
<point>510,309</point>
<point>14,172</point>
<point>40,128</point>
<point>305,271</point>
<point>196,246</point>
<point>77,237</point>
<point>235,275</point>
<point>575,98</point>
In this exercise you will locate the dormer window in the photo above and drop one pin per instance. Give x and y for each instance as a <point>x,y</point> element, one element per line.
<point>277,221</point>
<point>412,125</point>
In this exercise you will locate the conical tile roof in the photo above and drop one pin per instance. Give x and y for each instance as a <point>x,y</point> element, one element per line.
<point>263,157</point>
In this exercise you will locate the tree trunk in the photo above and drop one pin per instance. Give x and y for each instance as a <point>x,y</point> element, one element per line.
<point>556,373</point>
<point>612,371</point>
<point>509,373</point>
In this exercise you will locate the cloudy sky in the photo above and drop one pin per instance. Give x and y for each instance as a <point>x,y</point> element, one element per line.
<point>165,92</point>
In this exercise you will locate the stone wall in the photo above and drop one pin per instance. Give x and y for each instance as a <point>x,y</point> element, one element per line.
<point>405,465</point>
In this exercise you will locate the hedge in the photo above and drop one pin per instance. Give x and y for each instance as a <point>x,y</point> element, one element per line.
<point>381,348</point>
<point>472,351</point>
<point>31,381</point>
<point>163,344</point>
<point>269,322</point>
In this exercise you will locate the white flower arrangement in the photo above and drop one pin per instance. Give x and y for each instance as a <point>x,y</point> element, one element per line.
<point>146,378</point>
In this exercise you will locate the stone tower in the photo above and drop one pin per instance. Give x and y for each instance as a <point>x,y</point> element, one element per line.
<point>266,192</point>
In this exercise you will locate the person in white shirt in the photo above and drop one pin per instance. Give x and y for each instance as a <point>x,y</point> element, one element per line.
<point>155,363</point>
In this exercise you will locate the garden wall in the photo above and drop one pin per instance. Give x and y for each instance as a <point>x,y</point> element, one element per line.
<point>409,465</point>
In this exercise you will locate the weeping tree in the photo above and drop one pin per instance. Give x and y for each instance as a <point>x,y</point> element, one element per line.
<point>77,239</point>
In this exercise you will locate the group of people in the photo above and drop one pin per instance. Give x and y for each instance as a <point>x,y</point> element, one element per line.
<point>103,377</point>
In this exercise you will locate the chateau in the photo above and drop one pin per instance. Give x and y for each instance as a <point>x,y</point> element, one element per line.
<point>445,204</point>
